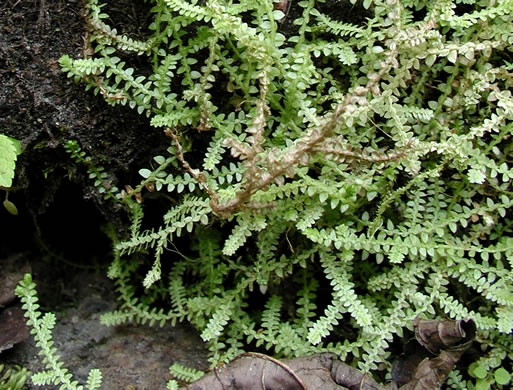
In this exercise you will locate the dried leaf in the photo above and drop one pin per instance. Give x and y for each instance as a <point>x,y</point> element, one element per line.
<point>353,379</point>
<point>432,373</point>
<point>255,371</point>
<point>448,339</point>
<point>405,365</point>
<point>438,335</point>
<point>250,371</point>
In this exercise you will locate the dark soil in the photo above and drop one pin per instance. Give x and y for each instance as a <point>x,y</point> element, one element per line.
<point>58,229</point>
<point>42,108</point>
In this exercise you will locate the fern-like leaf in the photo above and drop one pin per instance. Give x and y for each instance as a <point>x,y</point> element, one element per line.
<point>186,374</point>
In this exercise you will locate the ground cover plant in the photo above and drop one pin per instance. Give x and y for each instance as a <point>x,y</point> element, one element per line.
<point>353,174</point>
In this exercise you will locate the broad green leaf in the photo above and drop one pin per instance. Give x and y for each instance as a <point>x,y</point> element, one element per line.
<point>8,153</point>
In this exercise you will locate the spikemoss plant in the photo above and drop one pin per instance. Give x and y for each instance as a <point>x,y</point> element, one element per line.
<point>13,378</point>
<point>41,328</point>
<point>352,176</point>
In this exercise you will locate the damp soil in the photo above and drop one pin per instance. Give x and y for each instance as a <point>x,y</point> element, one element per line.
<point>58,232</point>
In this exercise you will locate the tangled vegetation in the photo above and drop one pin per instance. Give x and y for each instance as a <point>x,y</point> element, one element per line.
<point>352,176</point>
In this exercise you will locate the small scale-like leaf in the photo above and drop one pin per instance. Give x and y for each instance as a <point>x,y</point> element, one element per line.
<point>502,376</point>
<point>145,173</point>
<point>278,15</point>
<point>453,56</point>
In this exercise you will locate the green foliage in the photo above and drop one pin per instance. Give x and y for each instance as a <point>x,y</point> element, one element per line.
<point>185,373</point>
<point>488,372</point>
<point>96,173</point>
<point>353,177</point>
<point>42,326</point>
<point>13,378</point>
<point>172,385</point>
<point>10,148</point>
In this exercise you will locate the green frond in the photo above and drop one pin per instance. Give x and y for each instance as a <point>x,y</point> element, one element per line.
<point>214,154</point>
<point>344,289</point>
<point>469,19</point>
<point>186,374</point>
<point>336,27</point>
<point>288,342</point>
<point>306,310</point>
<point>271,317</point>
<point>13,378</point>
<point>505,317</point>
<point>455,309</point>
<point>325,324</point>
<point>105,35</point>
<point>9,147</point>
<point>172,385</point>
<point>55,373</point>
<point>240,233</point>
<point>116,317</point>
<point>94,379</point>
<point>177,292</point>
<point>188,9</point>
<point>217,322</point>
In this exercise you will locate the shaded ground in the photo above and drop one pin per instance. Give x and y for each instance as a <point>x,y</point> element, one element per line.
<point>58,229</point>
<point>130,357</point>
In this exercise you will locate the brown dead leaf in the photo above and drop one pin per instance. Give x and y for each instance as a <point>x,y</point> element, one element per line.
<point>447,339</point>
<point>414,370</point>
<point>432,373</point>
<point>438,335</point>
<point>250,371</point>
<point>255,371</point>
